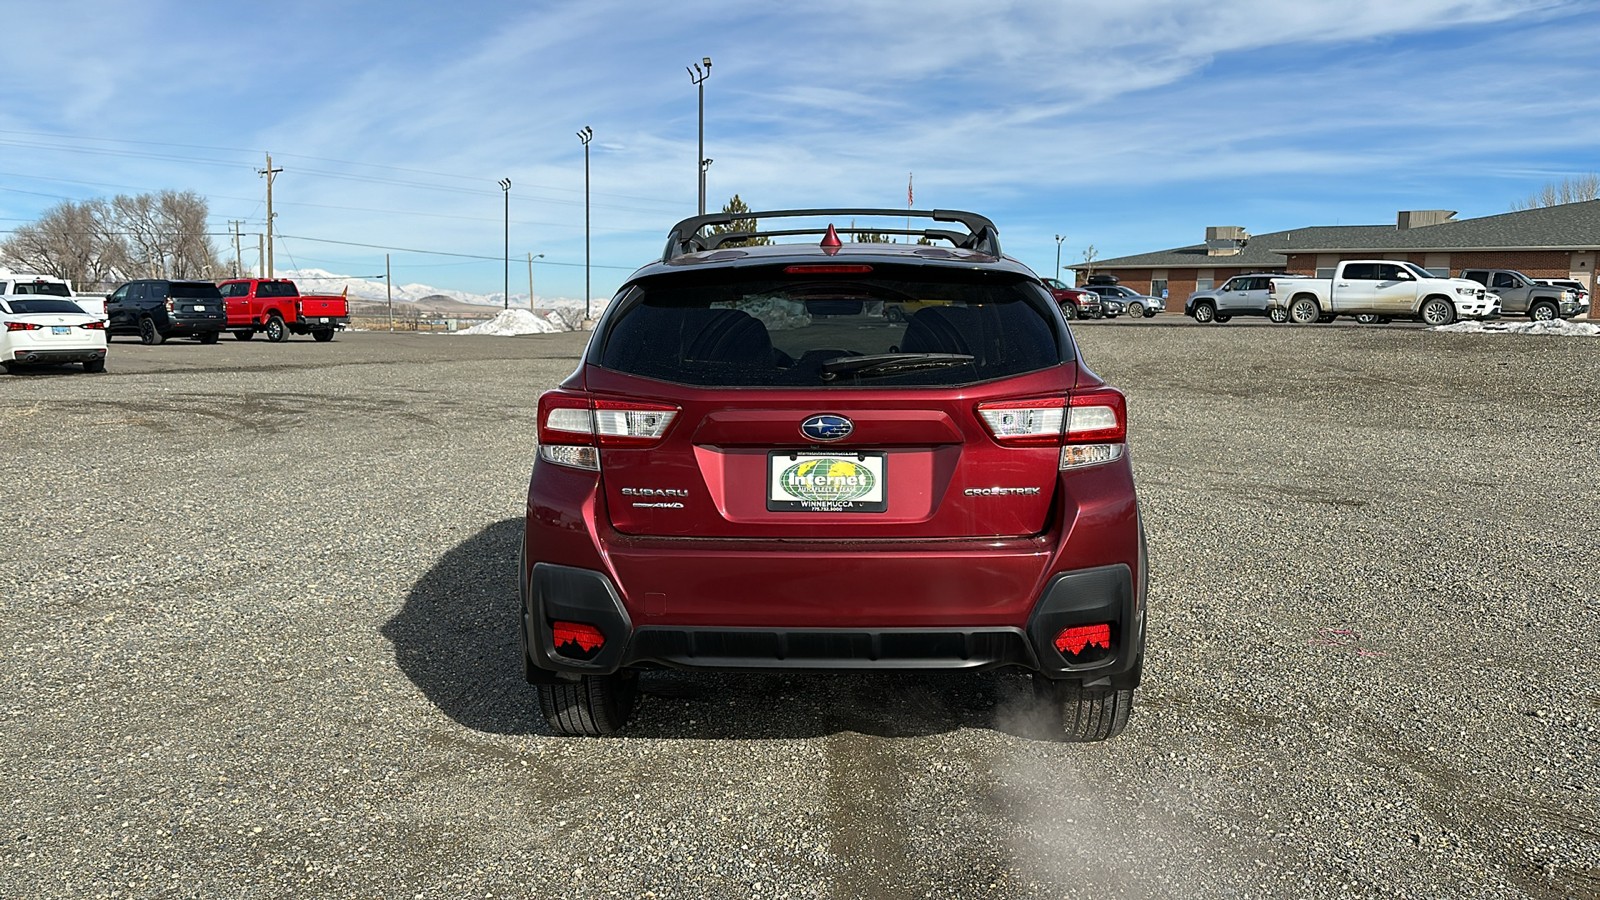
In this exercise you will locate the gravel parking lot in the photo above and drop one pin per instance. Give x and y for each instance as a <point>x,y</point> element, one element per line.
<point>257,610</point>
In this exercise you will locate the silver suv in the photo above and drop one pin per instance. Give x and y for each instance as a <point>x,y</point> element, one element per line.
<point>1241,295</point>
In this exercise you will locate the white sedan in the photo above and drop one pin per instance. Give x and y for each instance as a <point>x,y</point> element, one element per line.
<point>37,329</point>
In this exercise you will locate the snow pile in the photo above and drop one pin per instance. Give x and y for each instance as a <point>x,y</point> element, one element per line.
<point>776,313</point>
<point>1554,326</point>
<point>512,322</point>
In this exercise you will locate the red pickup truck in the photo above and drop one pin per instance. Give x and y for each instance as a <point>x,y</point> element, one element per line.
<point>276,306</point>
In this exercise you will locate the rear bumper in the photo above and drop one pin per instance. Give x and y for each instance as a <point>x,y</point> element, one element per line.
<point>318,323</point>
<point>48,356</point>
<point>1107,595</point>
<point>194,324</point>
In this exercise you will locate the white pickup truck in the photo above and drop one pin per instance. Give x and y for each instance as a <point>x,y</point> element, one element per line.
<point>1382,289</point>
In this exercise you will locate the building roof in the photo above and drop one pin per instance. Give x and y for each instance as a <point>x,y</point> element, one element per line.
<point>1570,226</point>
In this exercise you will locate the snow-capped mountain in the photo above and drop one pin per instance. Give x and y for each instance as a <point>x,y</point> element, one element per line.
<point>321,281</point>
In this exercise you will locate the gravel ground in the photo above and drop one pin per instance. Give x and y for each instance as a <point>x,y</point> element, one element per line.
<point>257,609</point>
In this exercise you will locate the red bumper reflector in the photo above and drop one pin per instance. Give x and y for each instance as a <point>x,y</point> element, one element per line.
<point>587,637</point>
<point>1073,640</point>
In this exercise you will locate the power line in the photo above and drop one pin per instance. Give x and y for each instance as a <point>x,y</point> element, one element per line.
<point>301,237</point>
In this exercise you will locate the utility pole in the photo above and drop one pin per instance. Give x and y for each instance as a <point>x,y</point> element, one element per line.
<point>505,188</point>
<point>388,288</point>
<point>269,171</point>
<point>587,135</point>
<point>260,257</point>
<point>697,77</point>
<point>235,223</point>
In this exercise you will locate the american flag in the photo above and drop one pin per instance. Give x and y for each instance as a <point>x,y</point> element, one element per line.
<point>909,202</point>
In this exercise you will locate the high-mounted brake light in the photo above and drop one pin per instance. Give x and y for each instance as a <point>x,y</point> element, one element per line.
<point>840,269</point>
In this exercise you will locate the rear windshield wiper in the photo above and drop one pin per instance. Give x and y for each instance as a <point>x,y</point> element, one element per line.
<point>890,363</point>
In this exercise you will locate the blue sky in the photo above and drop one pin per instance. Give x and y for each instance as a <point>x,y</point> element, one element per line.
<point>1127,124</point>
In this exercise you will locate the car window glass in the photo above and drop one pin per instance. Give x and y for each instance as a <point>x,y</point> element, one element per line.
<point>1502,280</point>
<point>1391,273</point>
<point>749,331</point>
<point>45,304</point>
<point>1361,272</point>
<point>193,290</point>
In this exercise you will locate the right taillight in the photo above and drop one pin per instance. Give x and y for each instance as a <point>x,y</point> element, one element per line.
<point>573,426</point>
<point>1097,428</point>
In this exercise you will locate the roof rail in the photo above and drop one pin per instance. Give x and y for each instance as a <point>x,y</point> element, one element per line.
<point>685,237</point>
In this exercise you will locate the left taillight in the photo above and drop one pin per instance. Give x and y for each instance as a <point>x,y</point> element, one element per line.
<point>574,426</point>
<point>22,326</point>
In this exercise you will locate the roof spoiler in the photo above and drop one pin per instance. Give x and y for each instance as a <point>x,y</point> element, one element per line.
<point>685,237</point>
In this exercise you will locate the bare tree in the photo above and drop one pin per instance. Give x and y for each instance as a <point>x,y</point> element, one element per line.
<point>1090,254</point>
<point>1576,189</point>
<point>96,243</point>
<point>69,241</point>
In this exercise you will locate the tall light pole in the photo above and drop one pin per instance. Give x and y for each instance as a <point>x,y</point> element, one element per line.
<point>1059,239</point>
<point>505,188</point>
<point>531,258</point>
<point>697,77</point>
<point>586,135</point>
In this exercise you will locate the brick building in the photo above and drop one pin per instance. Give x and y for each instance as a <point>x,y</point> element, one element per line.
<point>1550,242</point>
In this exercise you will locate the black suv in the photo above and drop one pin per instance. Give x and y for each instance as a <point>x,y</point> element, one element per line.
<point>156,309</point>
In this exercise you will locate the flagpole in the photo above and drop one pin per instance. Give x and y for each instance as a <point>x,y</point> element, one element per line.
<point>909,204</point>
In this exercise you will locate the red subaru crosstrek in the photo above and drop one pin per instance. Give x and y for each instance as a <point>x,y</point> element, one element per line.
<point>756,467</point>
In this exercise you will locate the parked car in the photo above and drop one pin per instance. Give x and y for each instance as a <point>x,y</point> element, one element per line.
<point>41,325</point>
<point>1076,303</point>
<point>1571,284</point>
<point>1136,304</point>
<point>1383,288</point>
<point>275,307</point>
<point>1241,295</point>
<point>156,309</point>
<point>949,493</point>
<point>1521,295</point>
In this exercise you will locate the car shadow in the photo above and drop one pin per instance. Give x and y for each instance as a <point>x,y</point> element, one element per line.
<point>456,639</point>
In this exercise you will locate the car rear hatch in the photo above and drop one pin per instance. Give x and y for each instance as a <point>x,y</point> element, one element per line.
<point>796,409</point>
<point>196,301</point>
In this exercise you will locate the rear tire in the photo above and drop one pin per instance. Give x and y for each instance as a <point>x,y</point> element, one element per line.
<point>322,335</point>
<point>277,332</point>
<point>94,366</point>
<point>1304,311</point>
<point>149,334</point>
<point>592,706</point>
<point>243,335</point>
<point>1222,319</point>
<point>1085,714</point>
<point>1278,314</point>
<point>1437,312</point>
<point>210,337</point>
<point>1205,312</point>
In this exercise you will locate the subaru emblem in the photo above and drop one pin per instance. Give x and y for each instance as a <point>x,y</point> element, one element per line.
<point>827,427</point>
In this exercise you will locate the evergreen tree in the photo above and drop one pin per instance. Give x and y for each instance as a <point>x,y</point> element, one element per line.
<point>735,207</point>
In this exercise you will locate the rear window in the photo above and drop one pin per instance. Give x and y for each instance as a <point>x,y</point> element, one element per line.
<point>43,305</point>
<point>43,288</point>
<point>194,291</point>
<point>846,330</point>
<point>276,289</point>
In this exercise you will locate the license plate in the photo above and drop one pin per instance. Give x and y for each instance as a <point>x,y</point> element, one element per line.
<point>60,329</point>
<point>199,309</point>
<point>324,319</point>
<point>826,482</point>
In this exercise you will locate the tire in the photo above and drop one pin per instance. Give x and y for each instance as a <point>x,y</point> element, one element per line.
<point>1437,311</point>
<point>149,334</point>
<point>1304,311</point>
<point>243,335</point>
<point>592,706</point>
<point>1367,319</point>
<point>1222,319</point>
<point>1278,314</point>
<point>322,335</point>
<point>277,331</point>
<point>1325,319</point>
<point>1070,310</point>
<point>1085,714</point>
<point>94,366</point>
<point>210,337</point>
<point>894,314</point>
<point>1149,314</point>
<point>1135,310</point>
<point>1205,312</point>
<point>1542,312</point>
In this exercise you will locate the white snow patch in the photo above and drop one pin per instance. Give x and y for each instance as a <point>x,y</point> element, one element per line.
<point>512,322</point>
<point>777,313</point>
<point>1560,327</point>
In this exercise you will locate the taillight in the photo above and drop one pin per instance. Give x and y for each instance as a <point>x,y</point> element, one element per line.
<point>1090,428</point>
<point>573,426</point>
<point>94,326</point>
<point>1074,639</point>
<point>1033,423</point>
<point>578,640</point>
<point>172,305</point>
<point>22,326</point>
